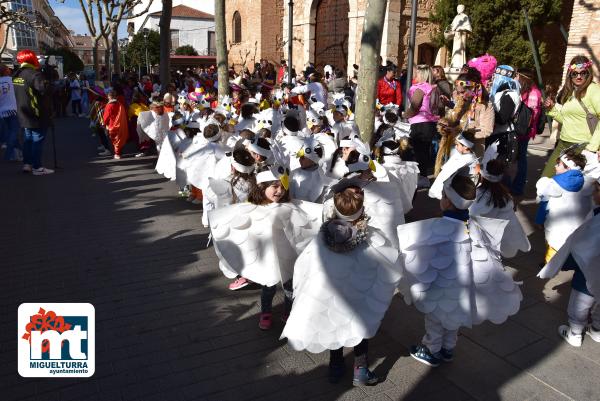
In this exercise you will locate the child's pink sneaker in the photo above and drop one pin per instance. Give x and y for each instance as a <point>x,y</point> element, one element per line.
<point>266,320</point>
<point>239,282</point>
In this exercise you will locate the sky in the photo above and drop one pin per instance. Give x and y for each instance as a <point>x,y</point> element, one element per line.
<point>71,15</point>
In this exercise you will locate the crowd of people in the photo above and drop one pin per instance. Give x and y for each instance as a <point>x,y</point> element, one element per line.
<point>295,197</point>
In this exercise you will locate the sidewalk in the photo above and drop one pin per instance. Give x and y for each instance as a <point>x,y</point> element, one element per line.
<point>113,233</point>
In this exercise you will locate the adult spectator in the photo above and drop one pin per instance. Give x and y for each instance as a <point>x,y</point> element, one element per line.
<point>439,79</point>
<point>422,121</point>
<point>578,98</point>
<point>75,87</point>
<point>314,86</point>
<point>389,89</point>
<point>34,109</point>
<point>532,97</point>
<point>9,123</point>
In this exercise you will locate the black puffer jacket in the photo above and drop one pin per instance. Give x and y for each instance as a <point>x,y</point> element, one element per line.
<point>33,93</point>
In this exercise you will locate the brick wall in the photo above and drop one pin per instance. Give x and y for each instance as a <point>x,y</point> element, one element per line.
<point>272,35</point>
<point>248,51</point>
<point>584,34</point>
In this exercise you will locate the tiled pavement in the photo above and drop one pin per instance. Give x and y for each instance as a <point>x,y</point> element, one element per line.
<point>113,234</point>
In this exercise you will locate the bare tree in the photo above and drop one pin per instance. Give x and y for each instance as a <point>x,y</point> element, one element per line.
<point>12,15</point>
<point>165,45</point>
<point>221,36</point>
<point>370,47</point>
<point>103,18</point>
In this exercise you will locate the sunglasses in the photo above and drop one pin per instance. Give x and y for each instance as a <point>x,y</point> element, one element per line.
<point>503,72</point>
<point>464,83</point>
<point>582,74</point>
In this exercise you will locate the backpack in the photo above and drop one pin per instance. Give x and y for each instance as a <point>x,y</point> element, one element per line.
<point>522,120</point>
<point>436,103</point>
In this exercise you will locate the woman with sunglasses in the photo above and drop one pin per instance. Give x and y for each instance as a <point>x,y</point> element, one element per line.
<point>578,100</point>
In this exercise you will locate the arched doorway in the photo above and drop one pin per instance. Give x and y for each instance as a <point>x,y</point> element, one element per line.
<point>331,33</point>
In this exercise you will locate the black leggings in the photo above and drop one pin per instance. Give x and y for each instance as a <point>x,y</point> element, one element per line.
<point>336,356</point>
<point>76,106</point>
<point>421,137</point>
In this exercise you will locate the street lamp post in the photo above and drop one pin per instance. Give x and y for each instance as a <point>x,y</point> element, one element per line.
<point>146,32</point>
<point>123,44</point>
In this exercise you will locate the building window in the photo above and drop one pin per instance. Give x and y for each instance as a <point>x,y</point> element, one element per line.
<point>237,27</point>
<point>174,39</point>
<point>24,36</point>
<point>212,44</point>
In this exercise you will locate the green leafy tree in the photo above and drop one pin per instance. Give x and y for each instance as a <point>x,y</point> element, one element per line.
<point>72,62</point>
<point>499,27</point>
<point>135,51</point>
<point>186,50</point>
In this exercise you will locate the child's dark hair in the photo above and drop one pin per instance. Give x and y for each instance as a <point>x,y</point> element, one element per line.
<point>334,157</point>
<point>243,157</point>
<point>499,194</point>
<point>349,201</point>
<point>257,192</point>
<point>464,187</point>
<point>191,132</point>
<point>352,157</point>
<point>211,130</point>
<point>291,123</point>
<point>248,110</point>
<point>576,158</point>
<point>247,134</point>
<point>469,136</point>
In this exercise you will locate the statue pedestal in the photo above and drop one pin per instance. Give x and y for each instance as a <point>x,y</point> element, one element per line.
<point>452,73</point>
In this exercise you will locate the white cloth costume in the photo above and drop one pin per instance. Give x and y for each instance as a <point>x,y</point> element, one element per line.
<point>405,175</point>
<point>168,156</point>
<point>576,205</point>
<point>262,243</point>
<point>584,245</point>
<point>457,161</point>
<point>514,238</point>
<point>341,298</point>
<point>151,125</point>
<point>453,272</point>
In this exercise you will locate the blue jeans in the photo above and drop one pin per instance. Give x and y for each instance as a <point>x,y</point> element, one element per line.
<point>33,146</point>
<point>518,184</point>
<point>9,127</point>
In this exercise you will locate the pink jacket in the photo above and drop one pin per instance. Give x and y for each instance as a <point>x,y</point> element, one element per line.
<point>533,100</point>
<point>424,115</point>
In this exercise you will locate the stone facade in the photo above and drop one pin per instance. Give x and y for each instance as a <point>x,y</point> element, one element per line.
<point>265,31</point>
<point>261,31</point>
<point>584,34</point>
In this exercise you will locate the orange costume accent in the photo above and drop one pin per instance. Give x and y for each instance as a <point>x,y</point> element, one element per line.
<point>115,120</point>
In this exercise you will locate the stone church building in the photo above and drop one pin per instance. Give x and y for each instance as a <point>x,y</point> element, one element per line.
<point>324,32</point>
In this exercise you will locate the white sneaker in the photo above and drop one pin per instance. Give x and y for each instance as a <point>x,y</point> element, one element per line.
<point>423,182</point>
<point>594,334</point>
<point>574,339</point>
<point>105,152</point>
<point>42,171</point>
<point>27,168</point>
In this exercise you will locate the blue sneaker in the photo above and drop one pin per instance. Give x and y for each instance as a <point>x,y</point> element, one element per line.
<point>423,355</point>
<point>447,354</point>
<point>336,372</point>
<point>364,377</point>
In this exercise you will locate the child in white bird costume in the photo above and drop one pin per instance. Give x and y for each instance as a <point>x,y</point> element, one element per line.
<point>581,252</point>
<point>453,272</point>
<point>344,282</point>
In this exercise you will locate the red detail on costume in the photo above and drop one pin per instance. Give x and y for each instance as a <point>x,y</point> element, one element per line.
<point>43,321</point>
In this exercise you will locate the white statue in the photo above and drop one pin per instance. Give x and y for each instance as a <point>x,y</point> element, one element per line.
<point>461,26</point>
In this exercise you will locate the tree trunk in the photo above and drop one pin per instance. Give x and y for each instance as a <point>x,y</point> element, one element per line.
<point>370,47</point>
<point>221,38</point>
<point>165,45</point>
<point>115,48</point>
<point>96,59</point>
<point>107,58</point>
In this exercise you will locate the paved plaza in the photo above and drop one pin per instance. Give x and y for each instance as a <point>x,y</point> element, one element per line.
<point>114,234</point>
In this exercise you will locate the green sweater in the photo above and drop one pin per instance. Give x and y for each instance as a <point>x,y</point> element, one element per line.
<point>573,119</point>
